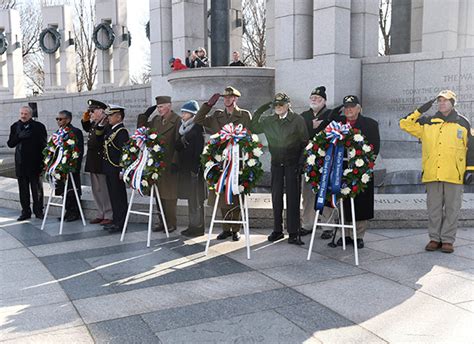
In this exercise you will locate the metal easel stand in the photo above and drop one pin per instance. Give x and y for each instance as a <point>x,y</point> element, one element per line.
<point>342,226</point>
<point>154,190</point>
<point>244,212</point>
<point>63,204</point>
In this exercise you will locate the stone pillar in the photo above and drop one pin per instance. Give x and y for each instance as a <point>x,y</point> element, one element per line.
<point>440,25</point>
<point>11,61</point>
<point>332,27</point>
<point>416,26</point>
<point>112,64</point>
<point>294,29</point>
<point>60,66</point>
<point>364,28</point>
<point>187,26</point>
<point>400,27</point>
<point>235,27</point>
<point>270,33</point>
<point>161,40</point>
<point>220,33</point>
<point>466,25</point>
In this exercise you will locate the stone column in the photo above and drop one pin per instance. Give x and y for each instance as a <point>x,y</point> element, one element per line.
<point>270,34</point>
<point>466,25</point>
<point>331,27</point>
<point>364,28</point>
<point>60,66</point>
<point>416,26</point>
<point>440,25</point>
<point>187,27</point>
<point>219,33</point>
<point>112,64</point>
<point>161,40</point>
<point>11,62</point>
<point>235,27</point>
<point>294,29</point>
<point>400,27</point>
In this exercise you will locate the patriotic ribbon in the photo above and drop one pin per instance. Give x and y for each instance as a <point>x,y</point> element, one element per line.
<point>228,181</point>
<point>58,139</point>
<point>140,136</point>
<point>331,176</point>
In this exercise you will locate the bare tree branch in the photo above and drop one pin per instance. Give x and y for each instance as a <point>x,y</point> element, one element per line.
<point>385,11</point>
<point>254,32</point>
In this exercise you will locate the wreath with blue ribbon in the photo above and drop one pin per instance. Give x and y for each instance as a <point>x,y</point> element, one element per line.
<point>231,160</point>
<point>61,155</point>
<point>142,160</point>
<point>110,36</point>
<point>3,43</point>
<point>324,167</point>
<point>55,36</point>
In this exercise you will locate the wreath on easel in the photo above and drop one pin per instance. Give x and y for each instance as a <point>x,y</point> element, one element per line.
<point>61,155</point>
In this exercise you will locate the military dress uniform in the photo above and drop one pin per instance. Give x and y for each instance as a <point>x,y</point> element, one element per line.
<point>213,124</point>
<point>113,139</point>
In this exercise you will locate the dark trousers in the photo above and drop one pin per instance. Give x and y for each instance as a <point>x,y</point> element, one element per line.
<point>196,201</point>
<point>286,178</point>
<point>72,208</point>
<point>118,198</point>
<point>25,183</point>
<point>169,208</point>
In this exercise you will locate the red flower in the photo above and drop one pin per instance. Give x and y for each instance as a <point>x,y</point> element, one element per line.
<point>356,131</point>
<point>312,174</point>
<point>355,171</point>
<point>245,184</point>
<point>348,143</point>
<point>371,164</point>
<point>314,183</point>
<point>260,145</point>
<point>355,188</point>
<point>250,155</point>
<point>358,152</point>
<point>315,146</point>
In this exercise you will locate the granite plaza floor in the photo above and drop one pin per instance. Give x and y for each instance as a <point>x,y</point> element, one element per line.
<point>86,286</point>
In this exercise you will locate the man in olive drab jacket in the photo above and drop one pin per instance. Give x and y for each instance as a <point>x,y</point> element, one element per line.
<point>167,124</point>
<point>316,118</point>
<point>94,159</point>
<point>114,136</point>
<point>213,124</point>
<point>287,136</point>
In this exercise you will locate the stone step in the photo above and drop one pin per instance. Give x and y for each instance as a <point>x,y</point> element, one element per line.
<point>391,210</point>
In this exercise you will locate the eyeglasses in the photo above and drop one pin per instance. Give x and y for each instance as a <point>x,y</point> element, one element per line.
<point>60,119</point>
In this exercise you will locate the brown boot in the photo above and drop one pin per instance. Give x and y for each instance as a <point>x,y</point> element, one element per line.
<point>433,246</point>
<point>447,248</point>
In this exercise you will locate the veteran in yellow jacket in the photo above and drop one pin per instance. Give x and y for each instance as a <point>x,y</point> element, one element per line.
<point>447,163</point>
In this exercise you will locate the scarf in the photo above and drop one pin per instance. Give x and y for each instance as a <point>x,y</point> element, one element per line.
<point>186,126</point>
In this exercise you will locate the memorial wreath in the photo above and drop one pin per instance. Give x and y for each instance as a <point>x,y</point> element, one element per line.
<point>231,161</point>
<point>55,38</point>
<point>61,155</point>
<point>142,159</point>
<point>324,169</point>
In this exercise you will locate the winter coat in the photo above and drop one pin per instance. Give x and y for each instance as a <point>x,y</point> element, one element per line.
<point>214,122</point>
<point>94,155</point>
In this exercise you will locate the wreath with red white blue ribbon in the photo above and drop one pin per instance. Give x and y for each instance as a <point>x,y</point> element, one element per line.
<point>231,161</point>
<point>324,166</point>
<point>142,160</point>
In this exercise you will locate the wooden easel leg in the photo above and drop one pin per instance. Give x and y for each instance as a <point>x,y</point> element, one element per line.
<point>130,203</point>
<point>313,234</point>
<point>150,216</point>
<point>163,218</point>
<point>47,206</point>
<point>354,233</point>
<point>243,212</point>
<point>343,230</point>
<point>63,208</point>
<point>212,224</point>
<point>77,199</point>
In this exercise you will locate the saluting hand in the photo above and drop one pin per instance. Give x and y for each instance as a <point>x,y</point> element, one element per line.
<point>426,106</point>
<point>263,108</point>
<point>213,100</point>
<point>149,111</point>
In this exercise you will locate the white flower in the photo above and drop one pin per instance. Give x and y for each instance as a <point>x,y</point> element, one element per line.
<point>306,178</point>
<point>345,191</point>
<point>51,149</point>
<point>257,152</point>
<point>205,150</point>
<point>347,171</point>
<point>124,157</point>
<point>209,164</point>
<point>309,146</point>
<point>218,158</point>
<point>366,148</point>
<point>359,163</point>
<point>255,138</point>
<point>150,162</point>
<point>133,149</point>
<point>311,160</point>
<point>251,162</point>
<point>215,136</point>
<point>241,188</point>
<point>321,152</point>
<point>70,142</point>
<point>144,183</point>
<point>57,176</point>
<point>156,148</point>
<point>63,161</point>
<point>320,170</point>
<point>358,138</point>
<point>154,176</point>
<point>240,172</point>
<point>352,153</point>
<point>365,178</point>
<point>75,155</point>
<point>46,160</point>
<point>153,136</point>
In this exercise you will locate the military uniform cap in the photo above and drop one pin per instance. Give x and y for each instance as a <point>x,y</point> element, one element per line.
<point>350,100</point>
<point>231,91</point>
<point>112,109</point>
<point>163,100</point>
<point>95,104</point>
<point>281,98</point>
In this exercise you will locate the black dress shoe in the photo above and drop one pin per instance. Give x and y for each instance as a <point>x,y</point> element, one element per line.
<point>224,235</point>
<point>170,229</point>
<point>72,218</point>
<point>39,216</point>
<point>304,231</point>
<point>24,217</point>
<point>360,243</point>
<point>106,227</point>
<point>295,240</point>
<point>193,232</point>
<point>235,236</point>
<point>327,234</point>
<point>349,241</point>
<point>114,229</point>
<point>159,228</point>
<point>274,236</point>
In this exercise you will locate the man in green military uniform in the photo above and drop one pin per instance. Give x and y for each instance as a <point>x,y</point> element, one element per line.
<point>213,123</point>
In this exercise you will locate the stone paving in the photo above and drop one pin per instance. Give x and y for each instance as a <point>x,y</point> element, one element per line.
<point>86,286</point>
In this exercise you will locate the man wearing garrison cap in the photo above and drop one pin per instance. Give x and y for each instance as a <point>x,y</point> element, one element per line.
<point>167,124</point>
<point>213,123</point>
